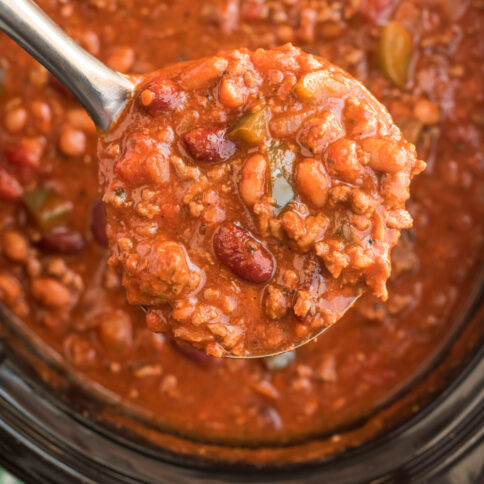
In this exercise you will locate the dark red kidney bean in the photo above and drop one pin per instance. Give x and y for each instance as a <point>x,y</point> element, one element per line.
<point>209,144</point>
<point>242,253</point>
<point>98,224</point>
<point>27,152</point>
<point>62,240</point>
<point>159,96</point>
<point>10,188</point>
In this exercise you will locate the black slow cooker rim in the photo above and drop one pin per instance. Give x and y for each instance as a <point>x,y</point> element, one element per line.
<point>449,430</point>
<point>42,439</point>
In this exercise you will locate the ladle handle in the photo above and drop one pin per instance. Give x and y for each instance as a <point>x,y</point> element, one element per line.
<point>102,91</point>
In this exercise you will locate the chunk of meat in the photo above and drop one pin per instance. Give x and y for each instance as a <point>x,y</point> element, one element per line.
<point>144,161</point>
<point>293,224</point>
<point>360,118</point>
<point>304,304</point>
<point>275,302</point>
<point>342,160</point>
<point>320,131</point>
<point>159,271</point>
<point>396,189</point>
<point>333,255</point>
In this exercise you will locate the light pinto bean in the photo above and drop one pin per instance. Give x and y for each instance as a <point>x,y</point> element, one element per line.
<point>10,289</point>
<point>42,116</point>
<point>231,93</point>
<point>253,180</point>
<point>72,142</point>
<point>15,119</point>
<point>342,160</point>
<point>427,112</point>
<point>385,155</point>
<point>51,293</point>
<point>15,246</point>
<point>204,73</point>
<point>313,181</point>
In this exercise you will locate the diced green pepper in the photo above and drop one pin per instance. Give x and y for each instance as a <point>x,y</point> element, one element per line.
<point>281,161</point>
<point>46,207</point>
<point>395,53</point>
<point>282,191</point>
<point>252,127</point>
<point>35,199</point>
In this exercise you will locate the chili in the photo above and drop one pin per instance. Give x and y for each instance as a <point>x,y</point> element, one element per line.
<point>197,272</point>
<point>362,362</point>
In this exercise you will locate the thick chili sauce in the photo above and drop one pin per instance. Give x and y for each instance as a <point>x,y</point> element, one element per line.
<point>423,60</point>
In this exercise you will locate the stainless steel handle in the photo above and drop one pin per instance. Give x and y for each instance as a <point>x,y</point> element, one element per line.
<point>102,91</point>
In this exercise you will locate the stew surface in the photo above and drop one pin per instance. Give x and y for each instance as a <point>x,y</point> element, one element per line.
<point>251,196</point>
<point>422,59</point>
